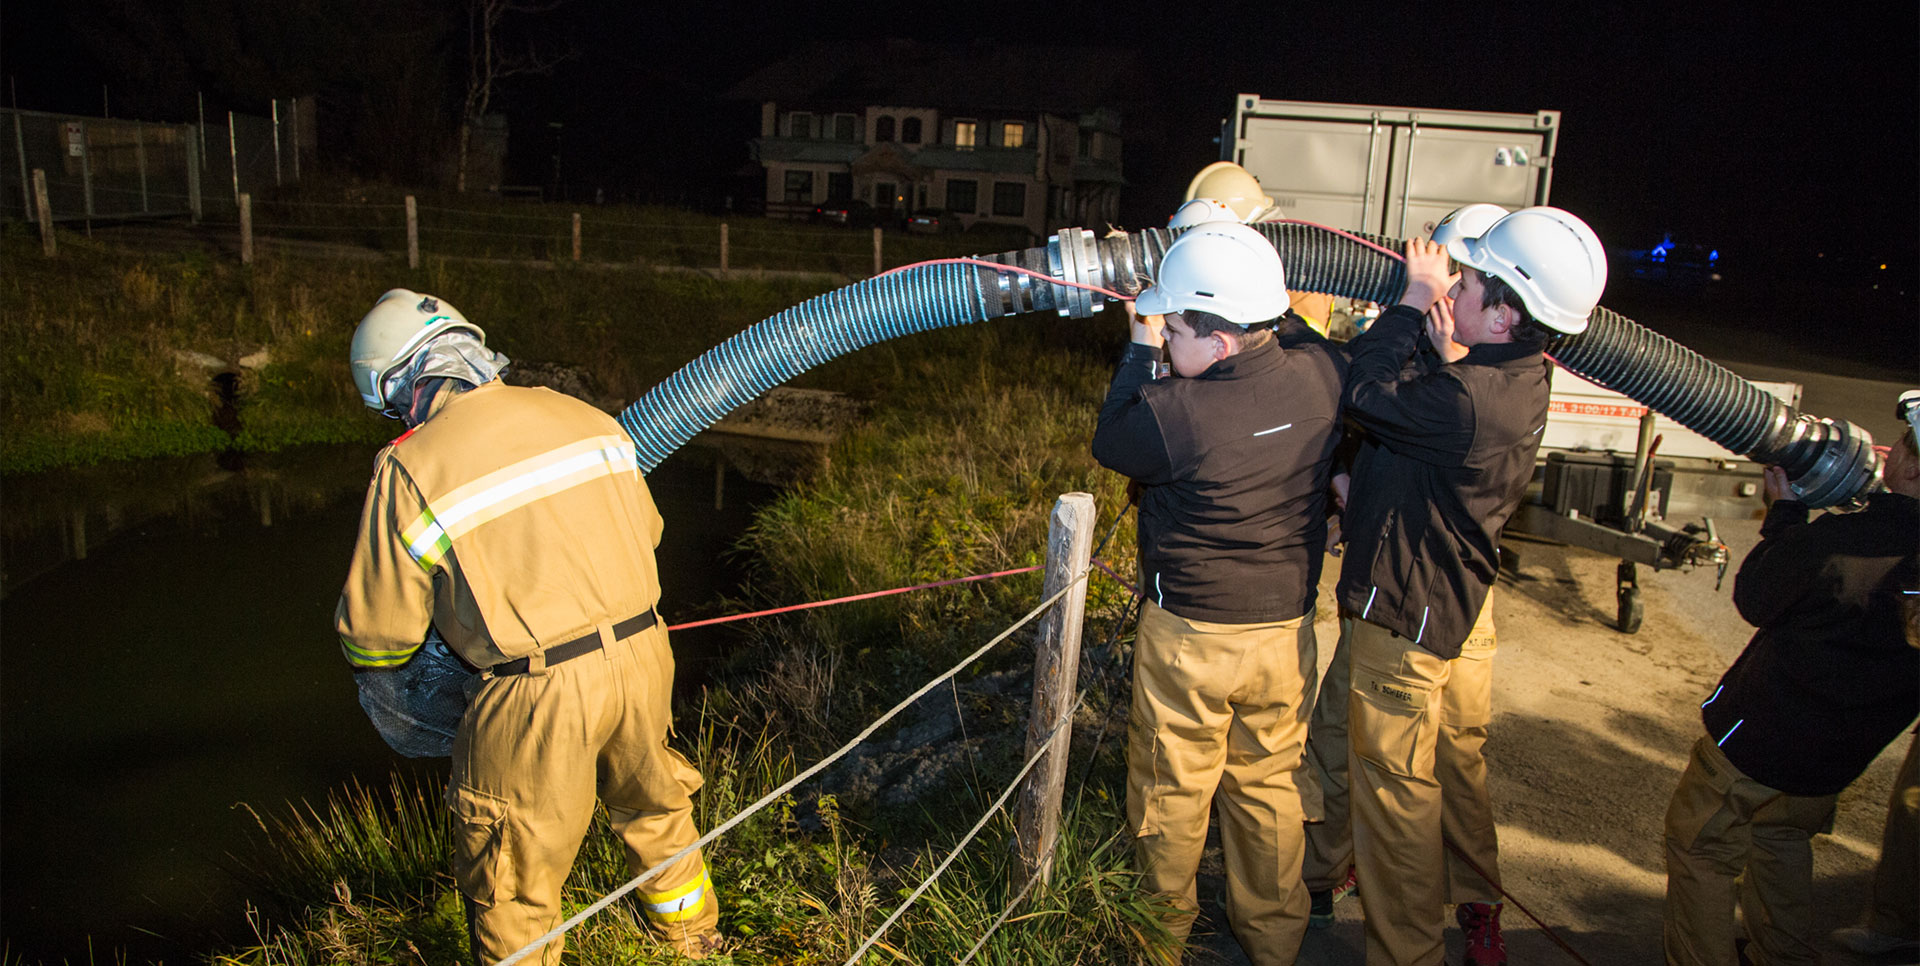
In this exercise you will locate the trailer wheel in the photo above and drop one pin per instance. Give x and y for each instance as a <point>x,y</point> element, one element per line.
<point>1631,611</point>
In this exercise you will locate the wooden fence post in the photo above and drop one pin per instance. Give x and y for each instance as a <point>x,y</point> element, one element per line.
<point>723,247</point>
<point>576,236</point>
<point>413,234</point>
<point>1056,673</point>
<point>876,250</point>
<point>246,228</point>
<point>44,211</point>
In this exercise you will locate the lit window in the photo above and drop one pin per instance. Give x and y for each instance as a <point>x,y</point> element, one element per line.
<point>963,134</point>
<point>1013,134</point>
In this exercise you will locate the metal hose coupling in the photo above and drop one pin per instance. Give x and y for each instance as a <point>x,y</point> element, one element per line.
<point>1830,462</point>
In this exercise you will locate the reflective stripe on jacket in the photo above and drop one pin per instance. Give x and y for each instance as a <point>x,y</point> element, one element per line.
<point>512,520</point>
<point>1447,456</point>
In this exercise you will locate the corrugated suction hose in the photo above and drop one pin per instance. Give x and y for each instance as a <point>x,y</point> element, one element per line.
<point>1830,462</point>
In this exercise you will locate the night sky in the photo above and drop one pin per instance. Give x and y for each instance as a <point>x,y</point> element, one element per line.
<point>1760,132</point>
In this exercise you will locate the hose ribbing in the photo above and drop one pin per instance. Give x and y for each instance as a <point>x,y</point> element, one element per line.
<point>1830,462</point>
<point>769,353</point>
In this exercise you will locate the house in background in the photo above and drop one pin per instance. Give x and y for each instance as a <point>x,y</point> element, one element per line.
<point>1028,137</point>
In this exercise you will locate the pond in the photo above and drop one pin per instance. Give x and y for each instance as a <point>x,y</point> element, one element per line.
<point>169,668</point>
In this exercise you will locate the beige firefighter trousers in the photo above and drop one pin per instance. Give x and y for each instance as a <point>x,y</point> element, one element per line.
<point>531,755</point>
<point>1896,880</point>
<point>1417,724</point>
<point>1733,840</point>
<point>1466,709</point>
<point>1222,706</point>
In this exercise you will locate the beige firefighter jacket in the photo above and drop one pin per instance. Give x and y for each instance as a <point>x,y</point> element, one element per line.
<point>512,520</point>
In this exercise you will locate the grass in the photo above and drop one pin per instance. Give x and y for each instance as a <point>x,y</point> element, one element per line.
<point>955,473</point>
<point>101,339</point>
<point>973,433</point>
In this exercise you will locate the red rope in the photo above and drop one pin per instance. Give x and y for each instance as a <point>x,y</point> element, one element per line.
<point>996,266</point>
<point>1344,234</point>
<point>845,600</point>
<point>1461,854</point>
<point>1124,582</point>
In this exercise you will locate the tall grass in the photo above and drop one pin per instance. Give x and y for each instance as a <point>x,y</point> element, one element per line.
<point>368,864</point>
<point>101,341</point>
<point>972,435</point>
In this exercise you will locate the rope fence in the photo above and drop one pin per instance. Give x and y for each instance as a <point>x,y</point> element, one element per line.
<point>1078,575</point>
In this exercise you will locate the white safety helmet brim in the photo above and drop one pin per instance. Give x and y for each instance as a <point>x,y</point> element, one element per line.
<point>1549,257</point>
<point>1221,268</point>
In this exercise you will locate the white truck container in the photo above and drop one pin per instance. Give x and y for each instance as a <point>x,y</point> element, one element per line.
<point>1601,481</point>
<point>1392,171</point>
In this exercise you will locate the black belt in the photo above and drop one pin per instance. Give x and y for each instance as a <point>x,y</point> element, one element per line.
<point>584,644</point>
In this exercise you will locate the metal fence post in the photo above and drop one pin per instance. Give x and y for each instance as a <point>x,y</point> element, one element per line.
<point>26,183</point>
<point>194,163</point>
<point>86,172</point>
<point>233,158</point>
<point>876,250</point>
<point>413,234</point>
<point>1056,672</point>
<point>44,211</point>
<point>723,246</point>
<point>293,106</point>
<point>246,229</point>
<point>140,160</point>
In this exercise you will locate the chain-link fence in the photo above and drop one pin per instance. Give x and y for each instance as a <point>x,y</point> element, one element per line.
<point>116,169</point>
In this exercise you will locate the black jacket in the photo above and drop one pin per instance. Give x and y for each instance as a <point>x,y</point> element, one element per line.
<point>1447,455</point>
<point>1234,467</point>
<point>1829,678</point>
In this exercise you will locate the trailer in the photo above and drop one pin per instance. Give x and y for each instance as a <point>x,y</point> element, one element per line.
<point>1611,474</point>
<point>1392,171</point>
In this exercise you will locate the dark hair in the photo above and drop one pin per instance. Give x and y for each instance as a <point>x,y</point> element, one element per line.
<point>1525,330</point>
<point>1205,324</point>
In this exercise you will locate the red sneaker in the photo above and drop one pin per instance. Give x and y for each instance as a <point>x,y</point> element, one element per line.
<point>1481,923</point>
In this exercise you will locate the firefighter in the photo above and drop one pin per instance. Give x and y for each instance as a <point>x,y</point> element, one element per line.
<point>1328,868</point>
<point>514,522</point>
<point>1448,451</point>
<point>1232,459</point>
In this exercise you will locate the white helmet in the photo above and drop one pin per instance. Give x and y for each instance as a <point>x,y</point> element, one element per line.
<point>1467,221</point>
<point>1908,408</point>
<point>393,330</point>
<point>1223,268</point>
<point>1549,257</point>
<point>1199,211</point>
<point>1230,184</point>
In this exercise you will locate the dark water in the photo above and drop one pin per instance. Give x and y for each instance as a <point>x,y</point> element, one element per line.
<point>186,668</point>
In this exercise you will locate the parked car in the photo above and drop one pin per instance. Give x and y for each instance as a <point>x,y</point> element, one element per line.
<point>847,213</point>
<point>933,221</point>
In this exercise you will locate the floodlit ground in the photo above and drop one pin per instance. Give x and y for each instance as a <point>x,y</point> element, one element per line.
<point>1592,729</point>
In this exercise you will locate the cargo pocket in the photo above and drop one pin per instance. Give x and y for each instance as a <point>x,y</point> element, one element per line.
<point>482,863</point>
<point>1388,720</point>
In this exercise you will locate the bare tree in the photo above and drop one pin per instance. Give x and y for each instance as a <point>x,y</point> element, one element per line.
<point>488,63</point>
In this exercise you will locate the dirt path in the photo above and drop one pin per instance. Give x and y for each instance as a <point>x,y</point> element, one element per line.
<point>1591,732</point>
<point>1592,729</point>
